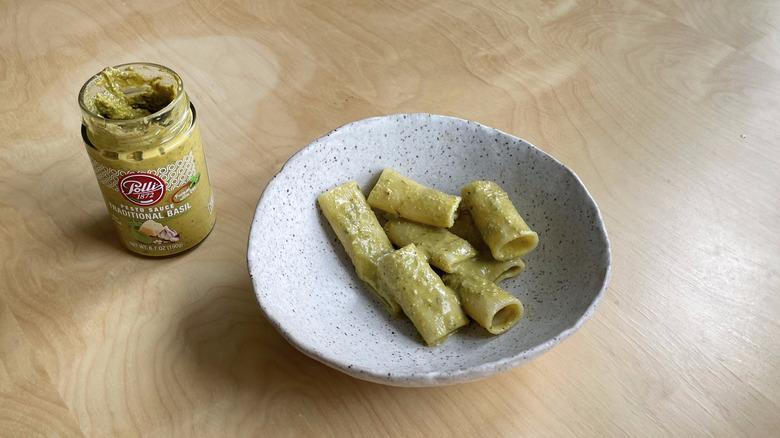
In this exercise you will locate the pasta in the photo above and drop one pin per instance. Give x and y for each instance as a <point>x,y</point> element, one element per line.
<point>500,225</point>
<point>492,307</point>
<point>359,231</point>
<point>483,264</point>
<point>465,228</point>
<point>492,269</point>
<point>439,247</point>
<point>432,307</point>
<point>409,199</point>
<point>476,244</point>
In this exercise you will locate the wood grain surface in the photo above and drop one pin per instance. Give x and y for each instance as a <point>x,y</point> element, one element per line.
<point>667,110</point>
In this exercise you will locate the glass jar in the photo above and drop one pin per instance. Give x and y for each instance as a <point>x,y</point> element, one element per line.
<point>143,140</point>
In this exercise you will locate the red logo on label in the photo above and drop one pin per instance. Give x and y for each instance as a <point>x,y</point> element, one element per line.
<point>142,188</point>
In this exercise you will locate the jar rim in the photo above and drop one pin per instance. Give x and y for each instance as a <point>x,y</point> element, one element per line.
<point>161,68</point>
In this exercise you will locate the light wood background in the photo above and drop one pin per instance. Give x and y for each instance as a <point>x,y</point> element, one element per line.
<point>667,110</point>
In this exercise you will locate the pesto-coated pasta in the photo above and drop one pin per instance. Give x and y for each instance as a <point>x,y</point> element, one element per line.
<point>475,241</point>
<point>438,246</point>
<point>359,231</point>
<point>465,228</point>
<point>396,194</point>
<point>483,264</point>
<point>500,225</point>
<point>490,268</point>
<point>485,302</point>
<point>432,307</point>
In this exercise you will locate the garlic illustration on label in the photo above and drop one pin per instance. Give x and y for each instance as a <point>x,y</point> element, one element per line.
<point>151,228</point>
<point>168,234</point>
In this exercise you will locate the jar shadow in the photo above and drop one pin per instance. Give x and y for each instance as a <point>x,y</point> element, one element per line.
<point>229,340</point>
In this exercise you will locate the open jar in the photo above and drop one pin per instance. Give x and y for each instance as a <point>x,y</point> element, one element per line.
<point>143,140</point>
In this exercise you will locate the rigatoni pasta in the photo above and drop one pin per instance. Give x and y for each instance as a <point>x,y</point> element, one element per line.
<point>440,248</point>
<point>501,226</point>
<point>465,228</point>
<point>492,307</point>
<point>483,264</point>
<point>490,268</point>
<point>359,231</point>
<point>473,253</point>
<point>432,307</point>
<point>396,194</point>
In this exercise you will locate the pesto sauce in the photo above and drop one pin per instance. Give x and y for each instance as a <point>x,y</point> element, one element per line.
<point>129,95</point>
<point>143,140</point>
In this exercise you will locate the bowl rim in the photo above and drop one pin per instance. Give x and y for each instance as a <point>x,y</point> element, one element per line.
<point>435,377</point>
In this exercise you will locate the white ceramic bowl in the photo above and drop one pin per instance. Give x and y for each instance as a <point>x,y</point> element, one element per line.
<point>307,287</point>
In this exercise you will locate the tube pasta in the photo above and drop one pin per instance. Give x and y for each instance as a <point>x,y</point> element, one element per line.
<point>394,193</point>
<point>490,268</point>
<point>492,307</point>
<point>438,246</point>
<point>500,225</point>
<point>432,307</point>
<point>476,243</point>
<point>483,264</point>
<point>465,228</point>
<point>358,230</point>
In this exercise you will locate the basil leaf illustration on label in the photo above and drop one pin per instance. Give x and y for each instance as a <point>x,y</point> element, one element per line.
<point>194,180</point>
<point>141,237</point>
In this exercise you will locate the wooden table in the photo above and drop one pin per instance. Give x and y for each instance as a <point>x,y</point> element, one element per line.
<point>667,110</point>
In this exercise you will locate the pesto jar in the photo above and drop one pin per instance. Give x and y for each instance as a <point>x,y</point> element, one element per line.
<point>143,140</point>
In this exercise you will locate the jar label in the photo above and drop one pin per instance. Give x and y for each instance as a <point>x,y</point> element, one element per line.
<point>142,188</point>
<point>172,175</point>
<point>162,210</point>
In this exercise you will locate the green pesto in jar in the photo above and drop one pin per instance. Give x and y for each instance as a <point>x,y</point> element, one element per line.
<point>130,95</point>
<point>144,143</point>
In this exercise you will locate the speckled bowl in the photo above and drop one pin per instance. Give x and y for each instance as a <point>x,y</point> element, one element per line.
<point>307,287</point>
